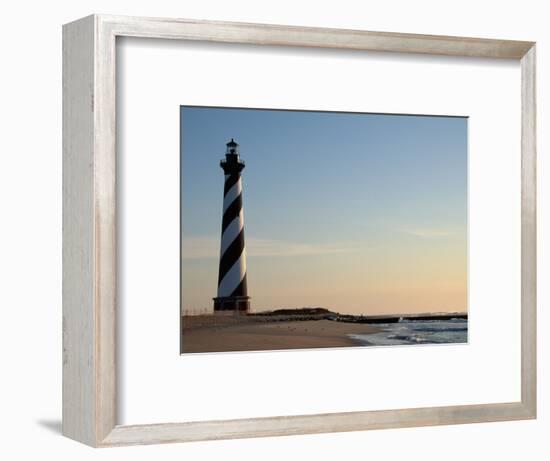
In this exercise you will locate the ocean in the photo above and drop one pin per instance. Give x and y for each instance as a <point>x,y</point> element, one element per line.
<point>407,332</point>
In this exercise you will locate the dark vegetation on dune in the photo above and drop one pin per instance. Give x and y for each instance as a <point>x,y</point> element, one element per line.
<point>320,313</point>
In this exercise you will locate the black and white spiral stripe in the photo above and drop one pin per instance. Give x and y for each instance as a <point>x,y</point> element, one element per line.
<point>232,274</point>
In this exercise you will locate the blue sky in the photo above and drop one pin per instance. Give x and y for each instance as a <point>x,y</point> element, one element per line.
<point>323,188</point>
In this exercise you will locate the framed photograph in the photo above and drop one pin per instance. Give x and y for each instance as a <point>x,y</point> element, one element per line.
<point>274,230</point>
<point>356,230</point>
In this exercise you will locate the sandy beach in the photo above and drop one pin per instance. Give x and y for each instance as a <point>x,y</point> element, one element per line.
<point>224,333</point>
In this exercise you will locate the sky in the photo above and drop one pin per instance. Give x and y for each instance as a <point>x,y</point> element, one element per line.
<point>357,213</point>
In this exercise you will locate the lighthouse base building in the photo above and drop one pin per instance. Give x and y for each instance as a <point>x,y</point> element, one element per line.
<point>232,288</point>
<point>232,303</point>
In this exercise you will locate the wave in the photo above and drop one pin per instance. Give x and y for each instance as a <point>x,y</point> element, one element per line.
<point>416,332</point>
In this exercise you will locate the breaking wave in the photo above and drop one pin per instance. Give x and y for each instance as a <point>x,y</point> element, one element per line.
<point>416,332</point>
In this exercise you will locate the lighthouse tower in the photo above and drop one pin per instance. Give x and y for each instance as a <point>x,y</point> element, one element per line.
<point>232,290</point>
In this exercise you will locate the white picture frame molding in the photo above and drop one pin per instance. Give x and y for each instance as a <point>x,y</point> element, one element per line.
<point>89,229</point>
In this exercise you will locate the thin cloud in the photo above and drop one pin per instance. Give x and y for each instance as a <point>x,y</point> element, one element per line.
<point>259,247</point>
<point>200,247</point>
<point>209,247</point>
<point>427,233</point>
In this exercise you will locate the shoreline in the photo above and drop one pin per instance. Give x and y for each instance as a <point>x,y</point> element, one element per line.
<point>283,329</point>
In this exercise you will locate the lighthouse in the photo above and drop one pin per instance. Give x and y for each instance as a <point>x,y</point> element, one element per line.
<point>232,290</point>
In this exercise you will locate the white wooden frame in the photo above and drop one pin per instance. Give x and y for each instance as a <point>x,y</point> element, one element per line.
<point>89,233</point>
